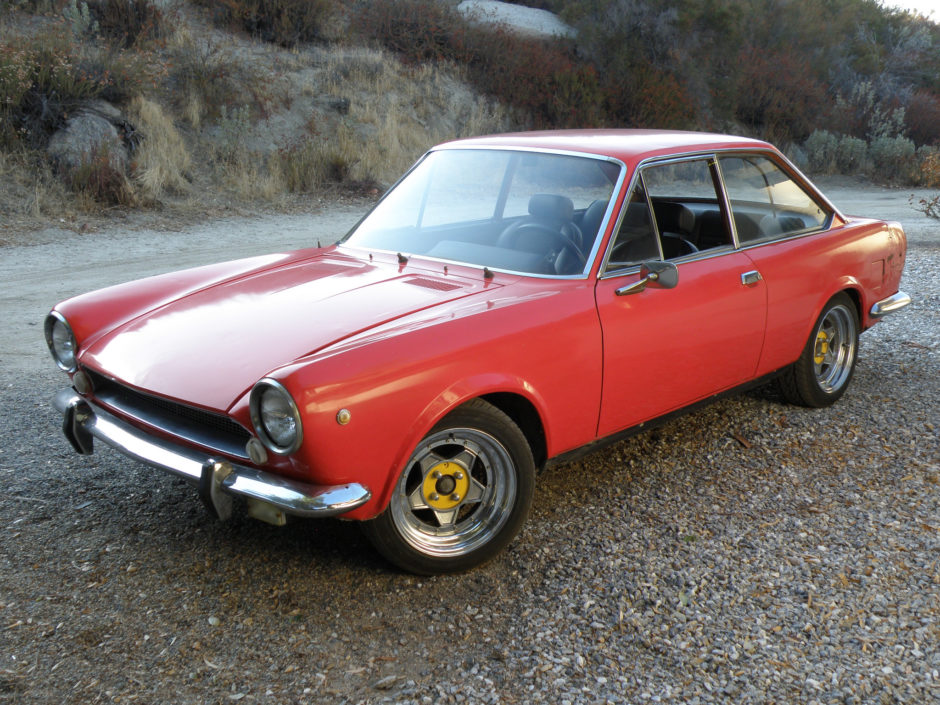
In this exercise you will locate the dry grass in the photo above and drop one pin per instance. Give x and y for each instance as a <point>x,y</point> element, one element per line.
<point>162,160</point>
<point>401,111</point>
<point>228,121</point>
<point>30,189</point>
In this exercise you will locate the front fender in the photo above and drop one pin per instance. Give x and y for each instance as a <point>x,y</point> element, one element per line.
<point>453,398</point>
<point>400,384</point>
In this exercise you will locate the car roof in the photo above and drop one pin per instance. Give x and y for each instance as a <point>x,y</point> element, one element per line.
<point>629,146</point>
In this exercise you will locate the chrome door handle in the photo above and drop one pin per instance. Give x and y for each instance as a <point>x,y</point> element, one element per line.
<point>751,278</point>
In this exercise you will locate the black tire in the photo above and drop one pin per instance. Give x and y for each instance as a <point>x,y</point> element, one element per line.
<point>462,497</point>
<point>826,366</point>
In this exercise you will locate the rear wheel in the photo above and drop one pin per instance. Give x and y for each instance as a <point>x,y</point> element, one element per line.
<point>462,497</point>
<point>825,368</point>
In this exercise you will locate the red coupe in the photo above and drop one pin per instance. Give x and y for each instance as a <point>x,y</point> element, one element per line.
<point>511,300</point>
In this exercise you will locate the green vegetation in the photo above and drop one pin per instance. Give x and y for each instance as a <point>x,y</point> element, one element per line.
<point>845,86</point>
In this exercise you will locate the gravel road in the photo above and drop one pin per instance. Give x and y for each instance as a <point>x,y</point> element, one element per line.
<point>752,552</point>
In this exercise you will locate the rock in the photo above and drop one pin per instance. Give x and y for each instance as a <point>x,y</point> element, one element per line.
<point>93,131</point>
<point>523,20</point>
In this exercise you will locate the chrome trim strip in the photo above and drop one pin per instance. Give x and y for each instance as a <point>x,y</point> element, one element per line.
<point>893,303</point>
<point>449,146</point>
<point>291,496</point>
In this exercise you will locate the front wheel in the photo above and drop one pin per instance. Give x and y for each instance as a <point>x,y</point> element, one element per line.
<point>462,497</point>
<point>823,372</point>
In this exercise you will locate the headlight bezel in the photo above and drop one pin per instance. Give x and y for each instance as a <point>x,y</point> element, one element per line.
<point>291,411</point>
<point>67,362</point>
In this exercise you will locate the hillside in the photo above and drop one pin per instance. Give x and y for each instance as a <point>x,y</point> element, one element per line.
<point>182,109</point>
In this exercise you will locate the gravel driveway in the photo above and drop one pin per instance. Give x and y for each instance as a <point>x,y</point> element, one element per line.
<point>751,552</point>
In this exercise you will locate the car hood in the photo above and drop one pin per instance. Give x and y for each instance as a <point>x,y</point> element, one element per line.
<point>211,345</point>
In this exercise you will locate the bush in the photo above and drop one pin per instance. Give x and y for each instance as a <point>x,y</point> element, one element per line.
<point>101,180</point>
<point>822,152</point>
<point>284,22</point>
<point>541,77</point>
<point>125,22</point>
<point>778,96</point>
<point>893,159</point>
<point>417,30</point>
<point>203,73</point>
<point>852,155</point>
<point>923,118</point>
<point>39,85</point>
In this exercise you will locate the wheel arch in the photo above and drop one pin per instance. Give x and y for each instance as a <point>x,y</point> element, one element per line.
<point>856,296</point>
<point>524,414</point>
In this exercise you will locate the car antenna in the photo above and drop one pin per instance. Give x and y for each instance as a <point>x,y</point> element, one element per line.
<point>487,273</point>
<point>402,259</point>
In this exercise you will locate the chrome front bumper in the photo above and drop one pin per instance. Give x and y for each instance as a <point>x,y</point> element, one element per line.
<point>269,496</point>
<point>893,303</point>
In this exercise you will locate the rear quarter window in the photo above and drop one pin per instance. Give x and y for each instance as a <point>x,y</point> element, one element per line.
<point>766,203</point>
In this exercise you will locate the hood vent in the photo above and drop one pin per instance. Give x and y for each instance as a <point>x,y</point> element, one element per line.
<point>435,284</point>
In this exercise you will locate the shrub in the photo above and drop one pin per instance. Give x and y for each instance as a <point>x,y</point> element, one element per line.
<point>79,19</point>
<point>541,77</point>
<point>125,22</point>
<point>778,96</point>
<point>852,155</point>
<point>284,22</point>
<point>923,118</point>
<point>893,159</point>
<point>929,159</point>
<point>101,180</point>
<point>39,85</point>
<point>417,30</point>
<point>822,152</point>
<point>203,73</point>
<point>233,128</point>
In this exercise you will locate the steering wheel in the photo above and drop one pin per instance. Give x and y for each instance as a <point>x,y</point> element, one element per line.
<point>540,233</point>
<point>686,245</point>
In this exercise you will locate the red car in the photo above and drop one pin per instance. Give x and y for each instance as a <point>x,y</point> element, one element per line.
<point>511,300</point>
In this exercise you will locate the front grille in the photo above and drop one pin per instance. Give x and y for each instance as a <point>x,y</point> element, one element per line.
<point>205,428</point>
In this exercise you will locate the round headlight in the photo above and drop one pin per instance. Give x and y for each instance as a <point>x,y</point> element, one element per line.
<point>275,417</point>
<point>61,341</point>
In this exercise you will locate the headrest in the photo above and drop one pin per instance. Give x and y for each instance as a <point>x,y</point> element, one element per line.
<point>548,206</point>
<point>686,220</point>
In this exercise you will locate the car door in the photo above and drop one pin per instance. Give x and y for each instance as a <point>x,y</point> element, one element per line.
<point>665,348</point>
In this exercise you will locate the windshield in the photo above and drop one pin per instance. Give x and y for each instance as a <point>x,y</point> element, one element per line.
<point>529,212</point>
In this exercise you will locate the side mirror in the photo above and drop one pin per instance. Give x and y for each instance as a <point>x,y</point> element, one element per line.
<point>662,274</point>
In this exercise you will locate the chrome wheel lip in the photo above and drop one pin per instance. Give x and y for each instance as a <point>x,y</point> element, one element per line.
<point>839,329</point>
<point>486,516</point>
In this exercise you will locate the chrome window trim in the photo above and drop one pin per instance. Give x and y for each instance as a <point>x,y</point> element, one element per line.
<point>589,258</point>
<point>774,156</point>
<point>799,179</point>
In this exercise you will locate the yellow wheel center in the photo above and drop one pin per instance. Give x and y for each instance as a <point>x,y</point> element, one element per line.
<point>822,347</point>
<point>445,486</point>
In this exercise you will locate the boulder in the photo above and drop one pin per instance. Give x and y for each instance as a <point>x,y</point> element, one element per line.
<point>95,129</point>
<point>529,21</point>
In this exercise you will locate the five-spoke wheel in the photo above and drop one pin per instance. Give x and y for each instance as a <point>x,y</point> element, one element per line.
<point>827,363</point>
<point>463,494</point>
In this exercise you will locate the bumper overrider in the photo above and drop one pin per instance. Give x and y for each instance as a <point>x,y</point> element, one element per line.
<point>892,304</point>
<point>269,497</point>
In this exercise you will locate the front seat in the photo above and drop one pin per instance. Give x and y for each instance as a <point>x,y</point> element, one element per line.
<point>549,215</point>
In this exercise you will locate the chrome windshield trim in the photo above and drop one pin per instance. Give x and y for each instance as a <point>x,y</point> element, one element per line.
<point>83,418</point>
<point>893,303</point>
<point>455,146</point>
